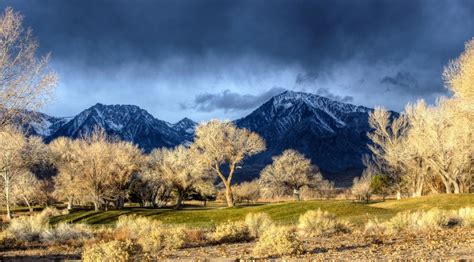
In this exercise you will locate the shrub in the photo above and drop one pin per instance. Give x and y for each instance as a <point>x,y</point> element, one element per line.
<point>51,212</point>
<point>257,223</point>
<point>317,223</point>
<point>466,215</point>
<point>7,240</point>
<point>432,219</point>
<point>136,226</point>
<point>163,238</point>
<point>278,241</point>
<point>37,228</point>
<point>29,228</point>
<point>116,251</point>
<point>151,234</point>
<point>231,232</point>
<point>63,232</point>
<point>375,228</point>
<point>196,237</point>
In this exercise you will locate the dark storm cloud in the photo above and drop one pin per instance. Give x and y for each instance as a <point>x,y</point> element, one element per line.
<point>403,80</point>
<point>228,100</point>
<point>344,47</point>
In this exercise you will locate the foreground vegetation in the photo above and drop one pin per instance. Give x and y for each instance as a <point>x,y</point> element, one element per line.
<point>284,213</point>
<point>263,230</point>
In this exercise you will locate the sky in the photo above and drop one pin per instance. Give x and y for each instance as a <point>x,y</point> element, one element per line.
<point>222,59</point>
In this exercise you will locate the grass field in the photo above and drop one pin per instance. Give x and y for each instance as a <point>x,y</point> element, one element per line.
<point>288,212</point>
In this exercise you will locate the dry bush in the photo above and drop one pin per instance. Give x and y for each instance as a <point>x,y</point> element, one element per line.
<point>317,223</point>
<point>135,226</point>
<point>196,237</point>
<point>432,219</point>
<point>375,228</point>
<point>37,228</point>
<point>278,241</point>
<point>63,232</point>
<point>51,212</point>
<point>29,228</point>
<point>166,238</point>
<point>150,234</point>
<point>466,216</point>
<point>231,232</point>
<point>115,250</point>
<point>7,240</point>
<point>258,223</point>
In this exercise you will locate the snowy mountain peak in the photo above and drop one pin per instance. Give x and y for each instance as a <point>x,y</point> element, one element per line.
<point>186,128</point>
<point>128,122</point>
<point>287,98</point>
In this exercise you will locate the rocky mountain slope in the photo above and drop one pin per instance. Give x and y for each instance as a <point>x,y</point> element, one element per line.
<point>333,134</point>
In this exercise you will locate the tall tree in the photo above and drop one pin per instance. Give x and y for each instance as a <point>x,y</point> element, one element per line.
<point>16,157</point>
<point>181,169</point>
<point>26,82</point>
<point>220,144</point>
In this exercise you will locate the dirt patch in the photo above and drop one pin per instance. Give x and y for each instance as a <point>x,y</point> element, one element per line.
<point>448,244</point>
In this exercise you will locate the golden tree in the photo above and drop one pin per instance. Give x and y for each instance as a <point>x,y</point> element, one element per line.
<point>26,82</point>
<point>221,144</point>
<point>181,170</point>
<point>291,170</point>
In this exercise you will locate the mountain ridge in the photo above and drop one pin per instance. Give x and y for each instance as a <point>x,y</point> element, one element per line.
<point>332,134</point>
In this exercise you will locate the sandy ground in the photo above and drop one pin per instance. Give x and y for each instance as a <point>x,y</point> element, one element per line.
<point>452,244</point>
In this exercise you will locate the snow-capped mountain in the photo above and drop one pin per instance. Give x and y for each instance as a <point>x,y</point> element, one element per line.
<point>185,127</point>
<point>331,133</point>
<point>128,122</point>
<point>39,124</point>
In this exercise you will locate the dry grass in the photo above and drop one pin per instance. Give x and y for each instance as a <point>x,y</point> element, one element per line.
<point>117,251</point>
<point>231,232</point>
<point>320,223</point>
<point>278,241</point>
<point>258,223</point>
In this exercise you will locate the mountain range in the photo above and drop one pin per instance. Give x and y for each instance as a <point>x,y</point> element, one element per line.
<point>333,134</point>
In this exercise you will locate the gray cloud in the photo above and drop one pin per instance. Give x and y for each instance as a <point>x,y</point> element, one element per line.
<point>228,100</point>
<point>326,93</point>
<point>161,55</point>
<point>404,80</point>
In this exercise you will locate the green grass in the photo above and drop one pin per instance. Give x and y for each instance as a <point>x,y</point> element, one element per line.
<point>285,213</point>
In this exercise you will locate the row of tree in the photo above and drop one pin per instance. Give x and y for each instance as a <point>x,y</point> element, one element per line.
<point>101,170</point>
<point>426,149</point>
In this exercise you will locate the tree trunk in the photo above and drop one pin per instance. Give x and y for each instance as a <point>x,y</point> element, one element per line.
<point>297,194</point>
<point>30,208</point>
<point>7,198</point>
<point>399,195</point>
<point>120,203</point>
<point>228,195</point>
<point>456,188</point>
<point>96,206</point>
<point>179,201</point>
<point>69,204</point>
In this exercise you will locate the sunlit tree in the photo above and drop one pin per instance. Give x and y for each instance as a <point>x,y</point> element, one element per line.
<point>221,144</point>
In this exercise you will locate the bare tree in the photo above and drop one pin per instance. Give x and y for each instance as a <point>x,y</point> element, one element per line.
<point>361,186</point>
<point>16,157</point>
<point>247,191</point>
<point>127,160</point>
<point>181,169</point>
<point>26,189</point>
<point>387,137</point>
<point>290,170</point>
<point>221,144</point>
<point>151,183</point>
<point>26,82</point>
